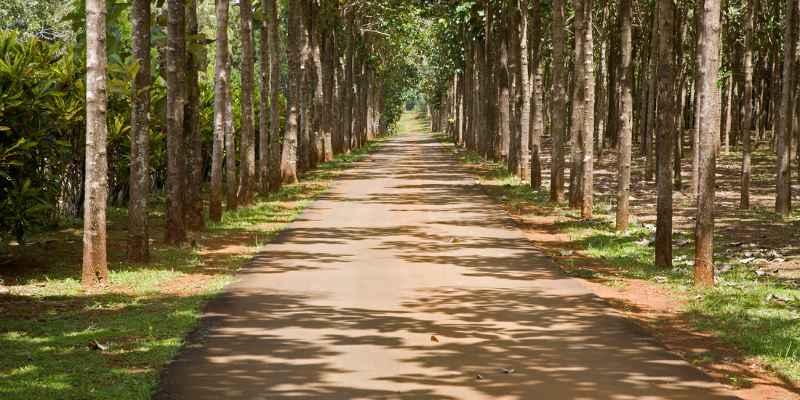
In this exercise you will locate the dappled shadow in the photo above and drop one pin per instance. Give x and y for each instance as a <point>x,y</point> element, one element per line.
<point>405,281</point>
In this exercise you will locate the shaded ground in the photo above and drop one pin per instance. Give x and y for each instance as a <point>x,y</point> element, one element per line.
<point>58,341</point>
<point>407,281</point>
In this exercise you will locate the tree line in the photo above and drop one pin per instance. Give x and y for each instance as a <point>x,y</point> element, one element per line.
<point>190,99</point>
<point>602,76</point>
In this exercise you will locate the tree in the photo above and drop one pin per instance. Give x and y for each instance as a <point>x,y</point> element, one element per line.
<point>138,236</point>
<point>294,52</point>
<point>747,101</point>
<point>586,138</point>
<point>625,118</point>
<point>221,74</point>
<point>95,265</point>
<point>536,102</point>
<point>559,101</point>
<point>246,130</point>
<point>783,200</point>
<point>193,208</point>
<point>523,92</point>
<point>263,115</point>
<point>665,129</point>
<point>274,83</point>
<point>708,64</point>
<point>231,192</point>
<point>175,232</point>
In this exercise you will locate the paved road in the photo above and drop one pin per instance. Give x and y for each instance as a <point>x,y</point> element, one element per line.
<point>344,304</point>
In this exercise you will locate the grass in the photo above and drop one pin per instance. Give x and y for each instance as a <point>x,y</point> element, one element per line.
<point>49,324</point>
<point>759,315</point>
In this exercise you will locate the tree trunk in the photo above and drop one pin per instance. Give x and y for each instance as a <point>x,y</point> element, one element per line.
<point>709,124</point>
<point>747,99</point>
<point>221,74</point>
<point>587,137</point>
<point>175,232</point>
<point>230,150</point>
<point>246,130</point>
<point>263,113</point>
<point>95,264</point>
<point>138,235</point>
<point>625,118</point>
<point>577,115</point>
<point>294,52</point>
<point>665,128</point>
<point>559,111</point>
<point>275,138</point>
<point>783,200</point>
<point>193,211</point>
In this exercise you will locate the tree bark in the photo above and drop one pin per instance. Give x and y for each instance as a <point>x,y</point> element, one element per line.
<point>559,110</point>
<point>275,138</point>
<point>221,74</point>
<point>294,52</point>
<point>587,137</point>
<point>625,118</point>
<point>193,210</point>
<point>747,99</point>
<point>783,199</point>
<point>709,125</point>
<point>138,235</point>
<point>175,232</point>
<point>232,199</point>
<point>246,130</point>
<point>263,113</point>
<point>665,128</point>
<point>95,264</point>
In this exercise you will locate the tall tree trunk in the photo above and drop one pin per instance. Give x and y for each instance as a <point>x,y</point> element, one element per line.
<point>328,92</point>
<point>536,89</point>
<point>138,235</point>
<point>625,118</point>
<point>263,113</point>
<point>652,100</point>
<point>665,128</point>
<point>95,264</point>
<point>747,99</point>
<point>504,87</point>
<point>586,139</point>
<point>577,116</point>
<point>523,90</point>
<point>709,123</point>
<point>175,232</point>
<point>221,74</point>
<point>232,199</point>
<point>275,138</point>
<point>559,111</point>
<point>294,52</point>
<point>783,200</point>
<point>246,130</point>
<point>193,210</point>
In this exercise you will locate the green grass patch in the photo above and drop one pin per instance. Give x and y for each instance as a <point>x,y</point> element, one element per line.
<point>49,324</point>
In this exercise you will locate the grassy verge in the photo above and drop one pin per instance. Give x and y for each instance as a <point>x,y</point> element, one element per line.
<point>58,341</point>
<point>755,311</point>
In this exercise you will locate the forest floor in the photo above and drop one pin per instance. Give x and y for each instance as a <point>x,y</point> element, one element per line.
<point>58,341</point>
<point>745,332</point>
